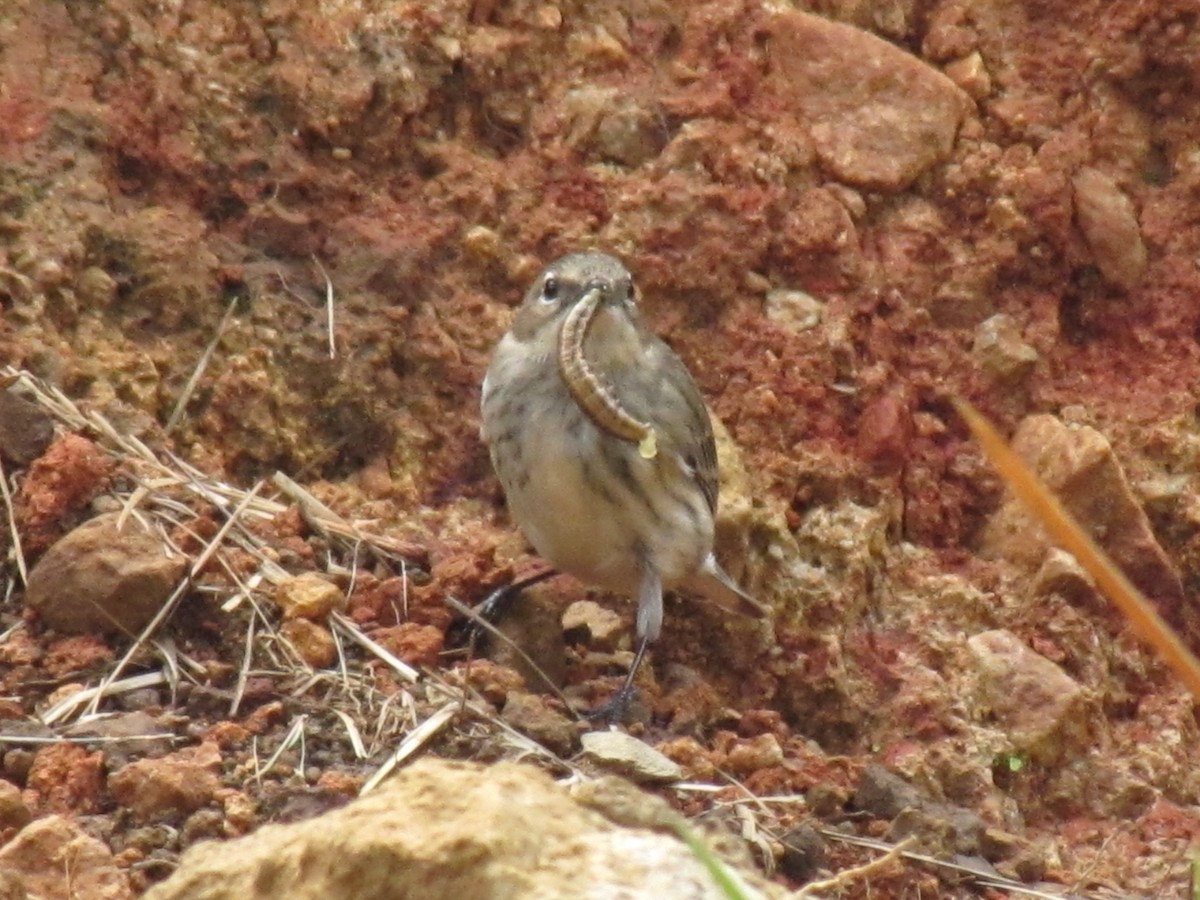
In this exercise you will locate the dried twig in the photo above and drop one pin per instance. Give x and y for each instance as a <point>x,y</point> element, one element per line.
<point>328,306</point>
<point>846,877</point>
<point>12,526</point>
<point>190,386</point>
<point>416,739</point>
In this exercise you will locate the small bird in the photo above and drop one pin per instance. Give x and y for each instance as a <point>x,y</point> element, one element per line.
<point>604,446</point>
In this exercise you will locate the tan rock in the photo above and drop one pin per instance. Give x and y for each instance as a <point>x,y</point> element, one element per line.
<point>604,628</point>
<point>1108,220</point>
<point>623,753</point>
<point>1001,350</point>
<point>181,782</point>
<point>55,859</point>
<point>311,641</point>
<point>309,596</point>
<point>1078,464</point>
<point>103,578</point>
<point>449,831</point>
<point>1041,709</point>
<point>529,714</point>
<point>752,754</point>
<point>878,116</point>
<point>13,811</point>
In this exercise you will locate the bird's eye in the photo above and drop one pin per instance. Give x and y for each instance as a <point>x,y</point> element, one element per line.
<point>550,290</point>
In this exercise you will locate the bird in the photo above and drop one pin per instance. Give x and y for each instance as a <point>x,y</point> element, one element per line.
<point>604,447</point>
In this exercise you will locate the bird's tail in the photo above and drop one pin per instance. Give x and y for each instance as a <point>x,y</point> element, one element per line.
<point>713,584</point>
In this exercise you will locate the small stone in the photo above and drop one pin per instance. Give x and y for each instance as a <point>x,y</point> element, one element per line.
<point>13,811</point>
<point>749,756</point>
<point>55,858</point>
<point>126,736</point>
<point>587,622</point>
<point>101,578</point>
<point>1078,464</point>
<point>803,853</point>
<point>312,642</point>
<point>26,429</point>
<point>530,715</point>
<point>96,288</point>
<point>970,74</point>
<point>182,782</point>
<point>885,430</point>
<point>1108,220</point>
<point>794,310</point>
<point>1061,573</point>
<point>884,794</point>
<point>1001,351</point>
<point>417,645</point>
<point>630,757</point>
<point>309,596</point>
<point>483,243</point>
<point>697,760</point>
<point>65,778</point>
<point>1041,709</point>
<point>62,481</point>
<point>879,131</point>
<point>939,829</point>
<point>606,124</point>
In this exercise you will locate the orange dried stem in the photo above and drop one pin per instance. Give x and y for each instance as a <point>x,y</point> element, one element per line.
<point>1146,621</point>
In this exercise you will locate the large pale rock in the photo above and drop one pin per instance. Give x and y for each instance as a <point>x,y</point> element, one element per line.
<point>448,831</point>
<point>1042,710</point>
<point>1078,464</point>
<point>878,116</point>
<point>101,578</point>
<point>55,859</point>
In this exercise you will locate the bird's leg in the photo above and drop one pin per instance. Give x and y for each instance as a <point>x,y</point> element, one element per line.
<point>495,606</point>
<point>649,625</point>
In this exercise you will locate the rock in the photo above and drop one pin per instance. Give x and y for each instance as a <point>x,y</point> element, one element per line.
<point>13,811</point>
<point>751,755</point>
<point>885,430</point>
<point>65,778</point>
<point>126,736</point>
<point>448,831</point>
<point>940,828</point>
<point>1078,464</point>
<point>1041,709</point>
<point>884,794</point>
<point>970,74</point>
<point>803,853</point>
<point>26,430</point>
<point>623,753</point>
<point>54,859</point>
<point>532,625</point>
<point>417,645</point>
<point>878,116</point>
<point>60,482</point>
<point>309,596</point>
<point>182,782</point>
<point>101,578</point>
<point>1001,351</point>
<point>607,124</point>
<point>1108,220</point>
<point>794,310</point>
<point>586,621</point>
<point>530,715</point>
<point>313,642</point>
